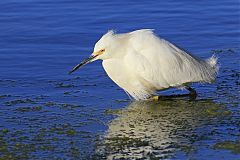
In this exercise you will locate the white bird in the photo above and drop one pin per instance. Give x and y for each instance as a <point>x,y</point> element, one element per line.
<point>141,63</point>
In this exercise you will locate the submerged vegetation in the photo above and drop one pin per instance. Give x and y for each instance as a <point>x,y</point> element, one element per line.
<point>233,146</point>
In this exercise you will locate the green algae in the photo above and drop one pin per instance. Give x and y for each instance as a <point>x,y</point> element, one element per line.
<point>188,149</point>
<point>114,112</point>
<point>233,146</point>
<point>74,152</point>
<point>21,146</point>
<point>15,151</point>
<point>3,146</point>
<point>71,132</point>
<point>62,85</point>
<point>50,104</point>
<point>4,96</point>
<point>19,101</point>
<point>214,111</point>
<point>69,106</point>
<point>29,109</point>
<point>4,131</point>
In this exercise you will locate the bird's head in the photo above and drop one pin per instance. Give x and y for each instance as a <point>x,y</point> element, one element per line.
<point>103,50</point>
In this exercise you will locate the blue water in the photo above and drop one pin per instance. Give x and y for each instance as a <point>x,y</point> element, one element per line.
<point>47,114</point>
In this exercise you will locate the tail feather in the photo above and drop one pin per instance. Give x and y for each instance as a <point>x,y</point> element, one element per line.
<point>214,67</point>
<point>213,62</point>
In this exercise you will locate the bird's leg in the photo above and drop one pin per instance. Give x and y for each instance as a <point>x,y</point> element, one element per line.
<point>192,91</point>
<point>192,94</point>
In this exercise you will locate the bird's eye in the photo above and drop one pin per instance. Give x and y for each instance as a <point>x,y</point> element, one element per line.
<point>102,50</point>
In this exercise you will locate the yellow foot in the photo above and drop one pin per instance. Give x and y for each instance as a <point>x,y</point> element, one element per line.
<point>154,98</point>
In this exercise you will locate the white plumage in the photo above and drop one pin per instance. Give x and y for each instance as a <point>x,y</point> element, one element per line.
<point>142,63</point>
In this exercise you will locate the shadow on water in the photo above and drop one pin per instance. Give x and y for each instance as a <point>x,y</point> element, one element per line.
<point>160,130</point>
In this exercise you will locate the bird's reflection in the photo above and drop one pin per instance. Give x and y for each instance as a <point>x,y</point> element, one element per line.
<point>155,130</point>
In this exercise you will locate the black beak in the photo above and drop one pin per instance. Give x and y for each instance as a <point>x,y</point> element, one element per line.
<point>84,62</point>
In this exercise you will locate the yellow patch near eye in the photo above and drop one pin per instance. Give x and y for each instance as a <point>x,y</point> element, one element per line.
<point>99,52</point>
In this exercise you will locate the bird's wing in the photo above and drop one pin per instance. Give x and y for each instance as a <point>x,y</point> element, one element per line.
<point>126,79</point>
<point>163,64</point>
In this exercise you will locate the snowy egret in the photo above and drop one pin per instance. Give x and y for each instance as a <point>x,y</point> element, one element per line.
<point>141,63</point>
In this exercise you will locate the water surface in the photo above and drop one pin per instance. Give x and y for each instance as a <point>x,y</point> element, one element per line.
<point>47,114</point>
